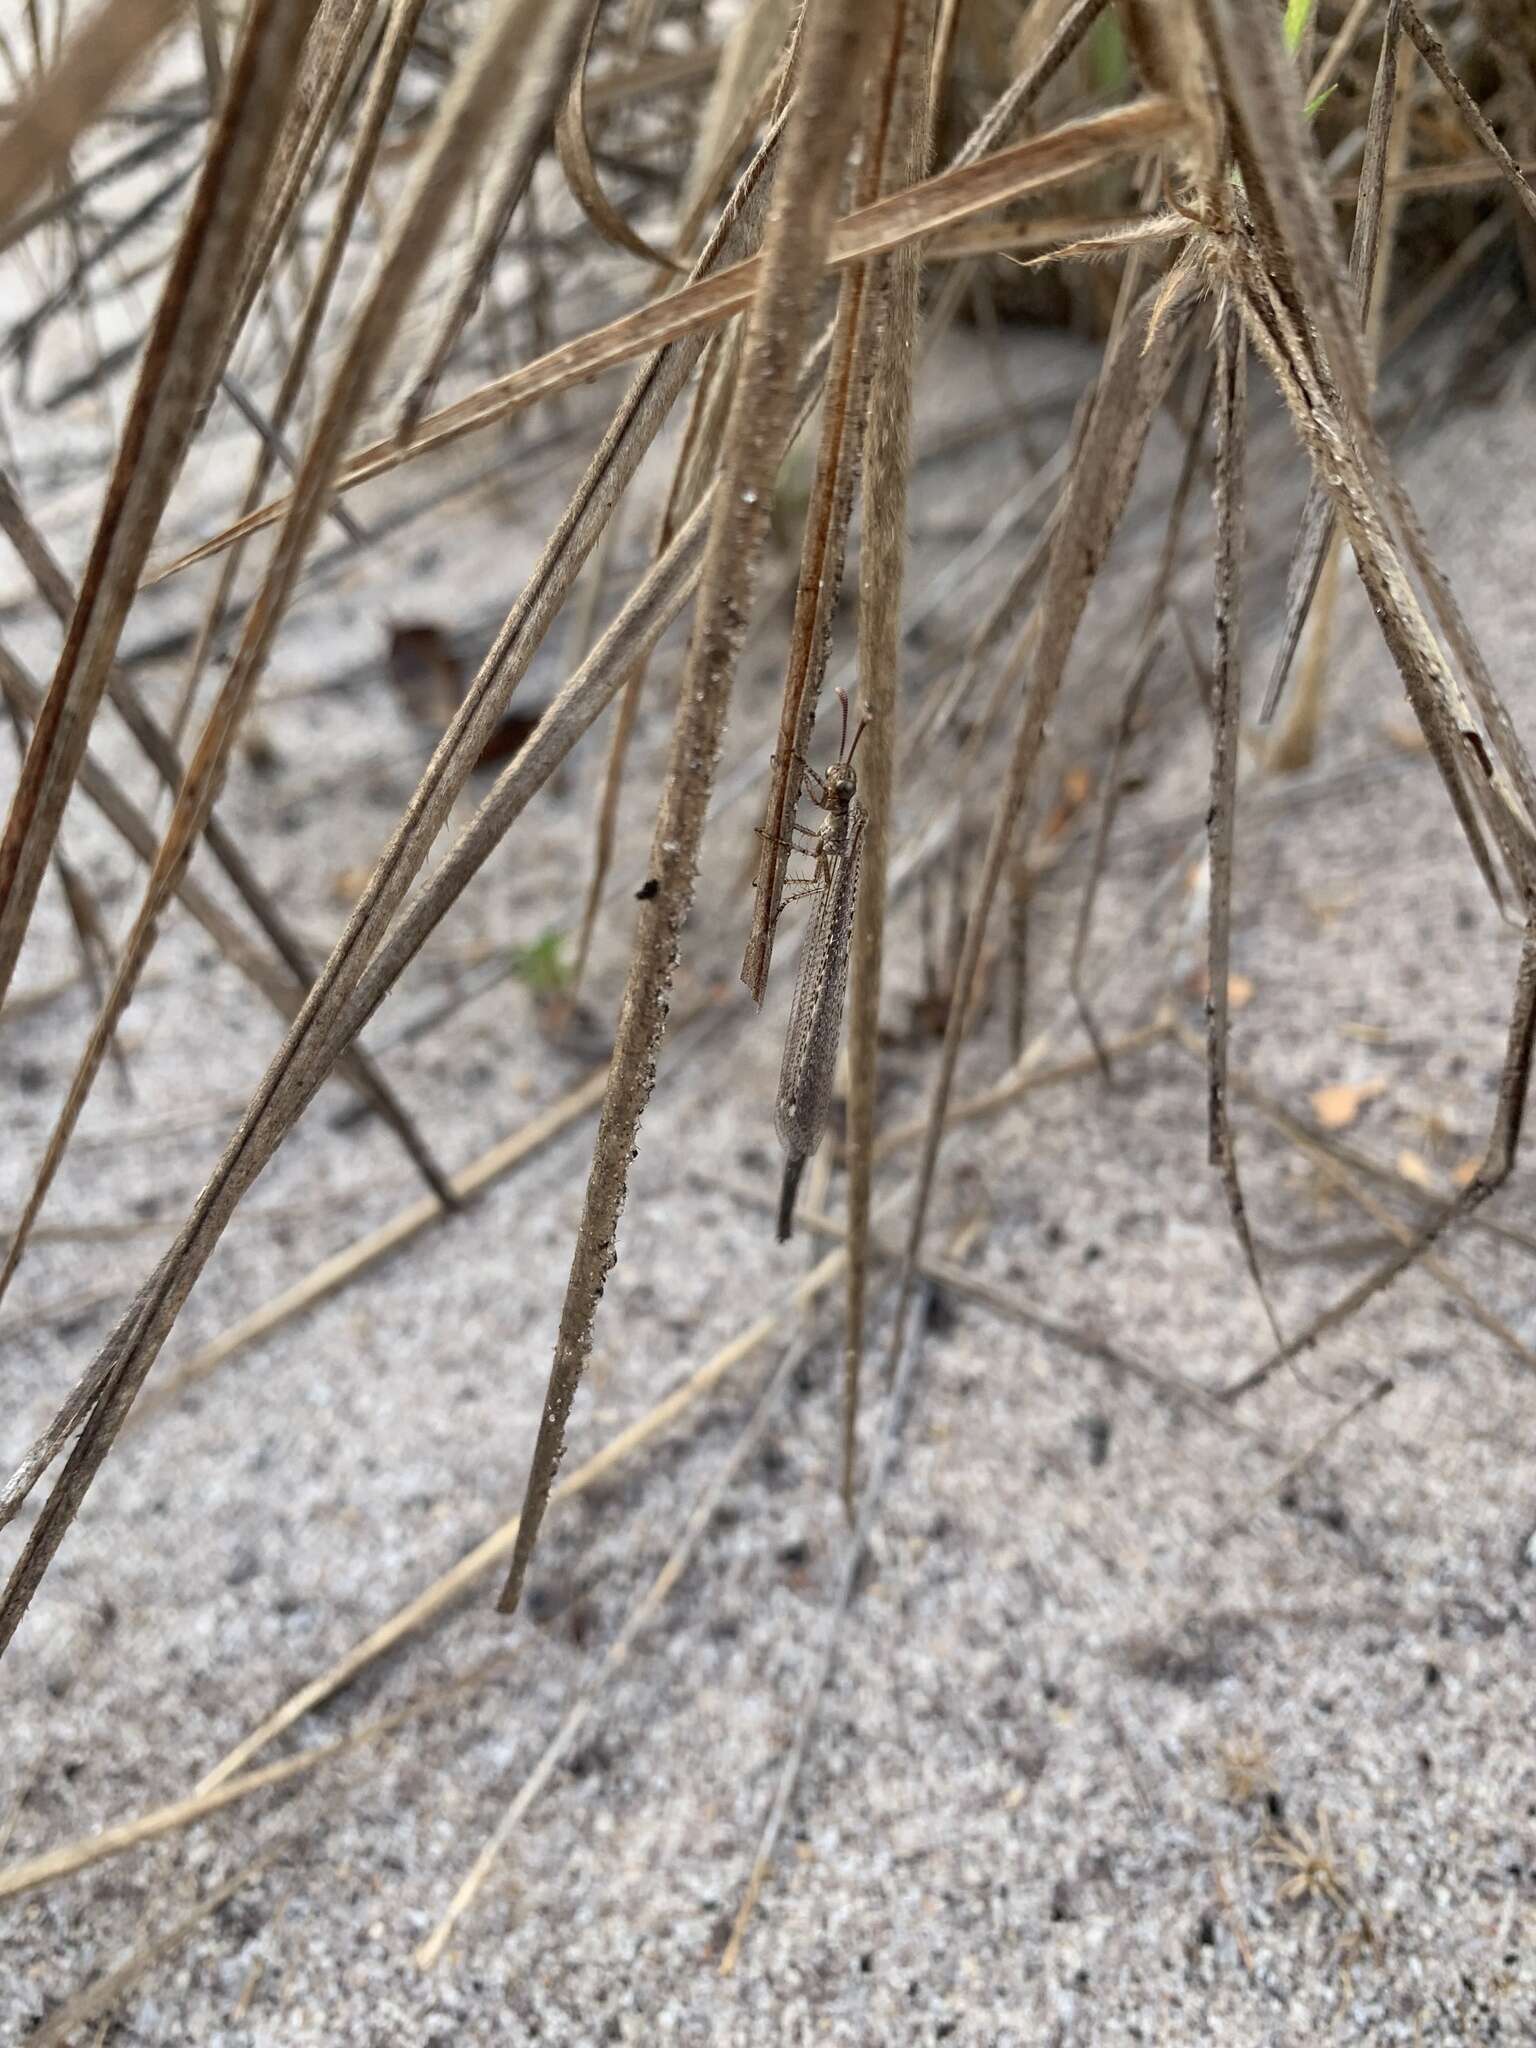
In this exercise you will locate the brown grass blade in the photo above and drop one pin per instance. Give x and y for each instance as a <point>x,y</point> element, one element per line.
<point>1465,760</point>
<point>575,152</point>
<point>1146,661</point>
<point>561,29</point>
<point>1282,182</point>
<point>1293,259</point>
<point>1432,50</point>
<point>399,36</point>
<point>882,573</point>
<point>823,548</point>
<point>1231,409</point>
<point>833,64</point>
<point>183,356</point>
<point>1316,528</point>
<point>103,55</point>
<point>1021,95</point>
<point>941,201</point>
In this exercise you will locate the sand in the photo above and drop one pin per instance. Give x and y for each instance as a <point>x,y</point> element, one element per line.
<point>1109,1666</point>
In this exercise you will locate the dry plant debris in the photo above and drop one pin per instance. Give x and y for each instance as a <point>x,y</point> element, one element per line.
<point>373,268</point>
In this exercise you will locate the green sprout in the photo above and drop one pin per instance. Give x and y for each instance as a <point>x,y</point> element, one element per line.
<point>542,967</point>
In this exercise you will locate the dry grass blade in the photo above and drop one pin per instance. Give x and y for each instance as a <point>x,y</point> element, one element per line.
<point>184,354</point>
<point>102,57</point>
<point>821,120</point>
<point>547,69</point>
<point>1012,106</point>
<point>1136,374</point>
<point>941,201</point>
<point>1146,662</point>
<point>399,37</point>
<point>330,48</point>
<point>1432,50</point>
<point>1296,234</point>
<point>1316,530</point>
<point>1282,182</point>
<point>614,1658</point>
<point>1231,406</point>
<point>706,423</point>
<point>581,175</point>
<point>822,552</point>
<point>1446,718</point>
<point>882,572</point>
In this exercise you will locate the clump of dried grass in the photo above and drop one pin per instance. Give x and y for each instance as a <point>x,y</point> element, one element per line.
<point>1188,142</point>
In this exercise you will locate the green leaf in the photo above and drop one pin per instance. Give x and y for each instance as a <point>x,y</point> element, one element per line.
<point>1298,18</point>
<point>1327,93</point>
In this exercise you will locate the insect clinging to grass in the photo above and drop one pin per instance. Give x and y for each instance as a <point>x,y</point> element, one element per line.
<point>816,1014</point>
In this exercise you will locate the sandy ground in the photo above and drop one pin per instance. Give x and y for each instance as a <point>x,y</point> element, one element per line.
<point>1109,1659</point>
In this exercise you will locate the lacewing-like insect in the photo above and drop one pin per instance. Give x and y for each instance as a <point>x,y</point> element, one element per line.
<point>816,1014</point>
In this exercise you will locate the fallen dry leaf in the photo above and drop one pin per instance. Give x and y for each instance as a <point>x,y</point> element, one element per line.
<point>1337,1107</point>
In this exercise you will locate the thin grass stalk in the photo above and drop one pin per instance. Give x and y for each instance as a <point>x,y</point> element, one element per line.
<point>835,58</point>
<point>561,54</point>
<point>823,549</point>
<point>882,572</point>
<point>399,38</point>
<point>1231,409</point>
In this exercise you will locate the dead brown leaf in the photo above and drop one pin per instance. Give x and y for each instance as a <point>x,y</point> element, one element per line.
<point>1337,1107</point>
